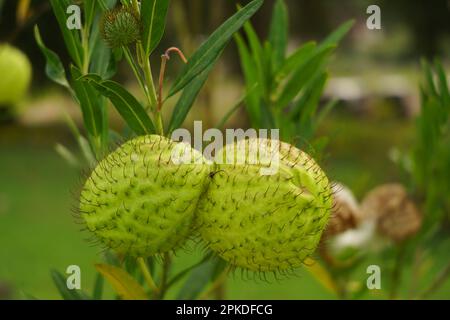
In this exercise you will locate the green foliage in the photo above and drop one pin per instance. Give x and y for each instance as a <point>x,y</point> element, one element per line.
<point>289,87</point>
<point>153,16</point>
<point>54,68</point>
<point>88,54</point>
<point>93,64</point>
<point>126,104</point>
<point>208,52</point>
<point>72,38</point>
<point>431,155</point>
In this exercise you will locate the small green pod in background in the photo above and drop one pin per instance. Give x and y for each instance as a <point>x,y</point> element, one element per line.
<point>15,71</point>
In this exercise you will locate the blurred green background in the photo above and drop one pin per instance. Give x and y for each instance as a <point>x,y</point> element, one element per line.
<point>375,74</point>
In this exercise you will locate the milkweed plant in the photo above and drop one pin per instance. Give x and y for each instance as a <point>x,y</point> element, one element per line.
<point>138,204</point>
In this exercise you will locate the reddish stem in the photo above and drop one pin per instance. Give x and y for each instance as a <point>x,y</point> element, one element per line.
<point>164,58</point>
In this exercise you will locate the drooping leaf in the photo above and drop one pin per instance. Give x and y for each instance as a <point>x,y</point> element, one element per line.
<point>54,68</point>
<point>335,37</point>
<point>71,38</point>
<point>278,34</point>
<point>208,52</point>
<point>126,104</point>
<point>89,100</point>
<point>124,284</point>
<point>153,16</point>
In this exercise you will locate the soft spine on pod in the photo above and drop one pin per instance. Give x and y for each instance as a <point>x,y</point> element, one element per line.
<point>138,202</point>
<point>265,223</point>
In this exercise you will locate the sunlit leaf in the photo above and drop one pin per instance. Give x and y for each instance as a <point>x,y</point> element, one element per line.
<point>124,284</point>
<point>208,52</point>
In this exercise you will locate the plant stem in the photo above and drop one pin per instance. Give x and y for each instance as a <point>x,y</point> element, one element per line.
<point>164,58</point>
<point>151,91</point>
<point>85,45</point>
<point>167,261</point>
<point>147,275</point>
<point>134,67</point>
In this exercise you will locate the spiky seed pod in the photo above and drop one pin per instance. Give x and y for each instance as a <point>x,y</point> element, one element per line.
<point>137,201</point>
<point>120,27</point>
<point>395,214</point>
<point>260,221</point>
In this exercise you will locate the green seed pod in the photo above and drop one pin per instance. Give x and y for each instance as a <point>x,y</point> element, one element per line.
<point>265,215</point>
<point>120,27</point>
<point>15,71</point>
<point>139,201</point>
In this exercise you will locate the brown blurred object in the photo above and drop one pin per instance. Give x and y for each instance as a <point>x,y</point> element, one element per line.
<point>396,215</point>
<point>345,214</point>
<point>6,291</point>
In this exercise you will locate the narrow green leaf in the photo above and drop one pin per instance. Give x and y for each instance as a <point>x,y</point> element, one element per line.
<point>251,78</point>
<point>71,37</point>
<point>306,106</point>
<point>213,46</point>
<point>278,35</point>
<point>184,272</point>
<point>61,284</point>
<point>102,61</point>
<point>67,155</point>
<point>153,15</point>
<point>300,55</point>
<point>97,292</point>
<point>54,68</point>
<point>335,37</point>
<point>325,111</point>
<point>301,76</point>
<point>90,7</point>
<point>89,100</point>
<point>262,62</point>
<point>126,104</point>
<point>199,278</point>
<point>429,79</point>
<point>187,99</point>
<point>443,85</point>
